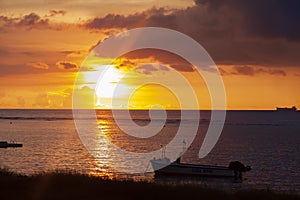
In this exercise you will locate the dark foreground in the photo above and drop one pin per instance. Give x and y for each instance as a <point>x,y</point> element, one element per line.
<point>76,186</point>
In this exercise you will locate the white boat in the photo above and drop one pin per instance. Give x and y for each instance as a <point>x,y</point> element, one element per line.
<point>163,166</point>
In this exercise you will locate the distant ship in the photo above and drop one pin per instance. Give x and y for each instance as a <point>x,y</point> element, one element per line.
<point>292,109</point>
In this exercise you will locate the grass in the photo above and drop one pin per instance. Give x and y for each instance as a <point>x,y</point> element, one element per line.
<point>71,185</point>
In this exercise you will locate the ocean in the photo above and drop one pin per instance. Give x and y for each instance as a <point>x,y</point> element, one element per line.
<point>268,141</point>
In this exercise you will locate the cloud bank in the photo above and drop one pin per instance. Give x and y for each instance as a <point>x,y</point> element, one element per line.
<point>232,31</point>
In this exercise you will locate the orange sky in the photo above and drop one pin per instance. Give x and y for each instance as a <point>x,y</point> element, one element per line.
<point>43,44</point>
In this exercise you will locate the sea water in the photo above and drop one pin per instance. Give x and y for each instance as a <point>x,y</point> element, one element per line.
<point>268,141</point>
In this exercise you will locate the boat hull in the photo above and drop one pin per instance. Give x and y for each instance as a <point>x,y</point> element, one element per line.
<point>10,145</point>
<point>179,169</point>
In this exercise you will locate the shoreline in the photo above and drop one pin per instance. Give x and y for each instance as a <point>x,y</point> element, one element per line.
<point>72,185</point>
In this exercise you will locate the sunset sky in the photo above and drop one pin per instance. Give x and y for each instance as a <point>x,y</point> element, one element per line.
<point>255,44</point>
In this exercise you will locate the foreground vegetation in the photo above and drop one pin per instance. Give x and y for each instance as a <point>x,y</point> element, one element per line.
<point>60,185</point>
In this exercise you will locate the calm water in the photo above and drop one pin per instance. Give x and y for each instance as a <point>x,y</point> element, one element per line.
<point>266,140</point>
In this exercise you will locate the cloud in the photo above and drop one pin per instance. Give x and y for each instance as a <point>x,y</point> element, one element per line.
<point>38,65</point>
<point>66,65</point>
<point>150,68</point>
<point>232,31</point>
<point>41,100</point>
<point>54,99</point>
<point>31,20</point>
<point>269,18</point>
<point>53,13</point>
<point>5,21</point>
<point>277,72</point>
<point>251,71</point>
<point>61,98</point>
<point>139,57</point>
<point>116,21</point>
<point>125,64</point>
<point>87,93</point>
<point>245,70</point>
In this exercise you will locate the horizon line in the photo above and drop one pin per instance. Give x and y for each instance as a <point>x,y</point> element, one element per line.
<point>144,109</point>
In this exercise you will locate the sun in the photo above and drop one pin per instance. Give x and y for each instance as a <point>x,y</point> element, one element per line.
<point>106,86</point>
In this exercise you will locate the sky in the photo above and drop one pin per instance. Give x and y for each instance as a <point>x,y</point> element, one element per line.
<point>255,45</point>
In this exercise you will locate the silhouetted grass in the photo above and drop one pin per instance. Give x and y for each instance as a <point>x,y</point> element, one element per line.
<point>71,185</point>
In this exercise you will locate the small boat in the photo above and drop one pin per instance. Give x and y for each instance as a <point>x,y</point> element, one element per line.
<point>4,144</point>
<point>165,167</point>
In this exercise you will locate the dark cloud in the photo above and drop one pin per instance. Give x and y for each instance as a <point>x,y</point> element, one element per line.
<point>87,69</point>
<point>232,31</point>
<point>70,52</point>
<point>154,55</point>
<point>5,21</point>
<point>28,21</point>
<point>251,71</point>
<point>244,70</point>
<point>117,21</point>
<point>66,65</point>
<point>146,69</point>
<point>32,20</point>
<point>53,13</point>
<point>149,68</point>
<point>124,64</point>
<point>149,61</point>
<point>277,72</point>
<point>268,18</point>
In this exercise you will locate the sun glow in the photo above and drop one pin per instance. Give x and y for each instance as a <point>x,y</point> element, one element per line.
<point>108,82</point>
<point>106,86</point>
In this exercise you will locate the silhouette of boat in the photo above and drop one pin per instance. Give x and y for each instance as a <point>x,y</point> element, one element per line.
<point>5,144</point>
<point>286,109</point>
<point>165,167</point>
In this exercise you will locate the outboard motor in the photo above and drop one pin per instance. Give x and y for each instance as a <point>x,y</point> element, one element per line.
<point>238,168</point>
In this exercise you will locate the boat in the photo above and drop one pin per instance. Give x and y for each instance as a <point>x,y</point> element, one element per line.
<point>5,144</point>
<point>286,109</point>
<point>165,167</point>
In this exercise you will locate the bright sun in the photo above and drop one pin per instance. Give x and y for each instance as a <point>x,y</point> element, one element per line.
<point>107,84</point>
